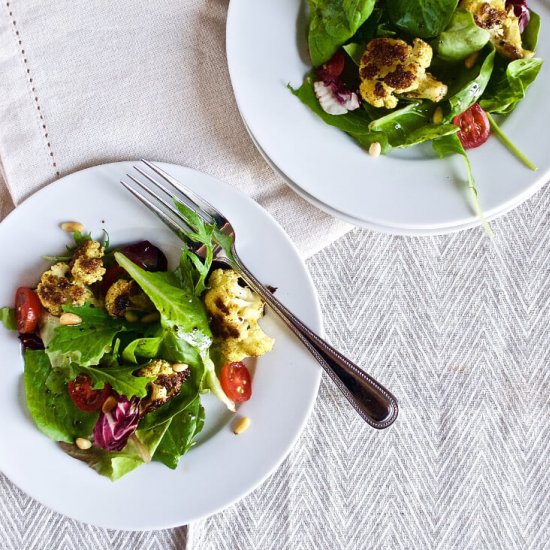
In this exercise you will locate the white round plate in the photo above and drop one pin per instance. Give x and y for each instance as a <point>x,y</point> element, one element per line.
<point>223,467</point>
<point>407,192</point>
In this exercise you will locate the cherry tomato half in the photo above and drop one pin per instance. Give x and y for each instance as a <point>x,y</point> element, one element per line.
<point>84,397</point>
<point>235,380</point>
<point>474,127</point>
<point>28,310</point>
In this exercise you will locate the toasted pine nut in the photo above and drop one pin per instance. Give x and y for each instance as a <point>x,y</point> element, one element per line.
<point>109,404</point>
<point>131,316</point>
<point>69,319</point>
<point>437,117</point>
<point>241,425</point>
<point>151,317</point>
<point>470,61</point>
<point>83,444</point>
<point>375,149</point>
<point>71,227</point>
<point>180,367</point>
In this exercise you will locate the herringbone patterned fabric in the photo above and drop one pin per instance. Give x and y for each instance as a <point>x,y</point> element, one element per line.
<point>458,327</point>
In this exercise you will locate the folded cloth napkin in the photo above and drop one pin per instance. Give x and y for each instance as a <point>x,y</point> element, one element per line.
<point>89,83</point>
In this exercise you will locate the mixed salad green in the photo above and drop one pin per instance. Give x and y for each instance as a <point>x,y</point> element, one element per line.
<point>118,348</point>
<point>393,74</point>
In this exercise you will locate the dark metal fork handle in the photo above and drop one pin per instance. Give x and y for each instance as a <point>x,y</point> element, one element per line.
<point>375,404</point>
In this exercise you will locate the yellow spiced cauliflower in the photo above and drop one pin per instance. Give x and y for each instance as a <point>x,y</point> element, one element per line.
<point>87,263</point>
<point>390,68</point>
<point>502,25</point>
<point>235,311</point>
<point>56,289</point>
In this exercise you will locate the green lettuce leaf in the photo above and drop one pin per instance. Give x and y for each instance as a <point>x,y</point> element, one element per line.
<point>48,401</point>
<point>461,38</point>
<point>180,434</point>
<point>84,344</point>
<point>7,316</point>
<point>332,23</point>
<point>139,450</point>
<point>530,36</point>
<point>120,378</point>
<point>422,18</point>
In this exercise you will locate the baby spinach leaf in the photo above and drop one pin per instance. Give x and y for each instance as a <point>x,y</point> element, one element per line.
<point>427,133</point>
<point>422,18</point>
<point>355,51</point>
<point>451,145</point>
<point>7,316</point>
<point>510,85</point>
<point>48,401</point>
<point>461,38</point>
<point>86,343</point>
<point>471,85</point>
<point>332,23</point>
<point>354,122</point>
<point>530,36</point>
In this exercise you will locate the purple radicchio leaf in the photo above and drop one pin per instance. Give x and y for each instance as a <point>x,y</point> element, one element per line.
<point>521,11</point>
<point>113,429</point>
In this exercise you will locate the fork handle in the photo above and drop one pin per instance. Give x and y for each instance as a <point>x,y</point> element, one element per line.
<point>374,403</point>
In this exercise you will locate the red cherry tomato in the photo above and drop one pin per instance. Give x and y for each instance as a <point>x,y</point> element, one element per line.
<point>86,398</point>
<point>28,310</point>
<point>235,380</point>
<point>474,127</point>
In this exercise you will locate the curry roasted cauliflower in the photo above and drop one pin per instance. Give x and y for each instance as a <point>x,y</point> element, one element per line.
<point>56,289</point>
<point>235,311</point>
<point>502,25</point>
<point>123,295</point>
<point>390,67</point>
<point>87,263</point>
<point>166,385</point>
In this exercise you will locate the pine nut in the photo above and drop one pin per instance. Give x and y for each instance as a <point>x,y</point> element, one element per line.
<point>69,319</point>
<point>83,444</point>
<point>179,367</point>
<point>131,316</point>
<point>241,425</point>
<point>470,61</point>
<point>375,149</point>
<point>437,117</point>
<point>151,317</point>
<point>109,404</point>
<point>71,227</point>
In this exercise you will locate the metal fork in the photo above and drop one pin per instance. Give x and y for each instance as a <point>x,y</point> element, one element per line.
<point>374,403</point>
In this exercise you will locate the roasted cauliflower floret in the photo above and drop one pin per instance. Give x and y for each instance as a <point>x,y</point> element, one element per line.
<point>123,295</point>
<point>55,289</point>
<point>390,67</point>
<point>502,25</point>
<point>167,383</point>
<point>235,311</point>
<point>87,264</point>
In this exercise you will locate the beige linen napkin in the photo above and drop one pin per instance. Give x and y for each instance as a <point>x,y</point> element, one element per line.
<point>85,83</point>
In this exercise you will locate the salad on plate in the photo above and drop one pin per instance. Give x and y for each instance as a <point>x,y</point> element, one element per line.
<point>395,74</point>
<point>118,349</point>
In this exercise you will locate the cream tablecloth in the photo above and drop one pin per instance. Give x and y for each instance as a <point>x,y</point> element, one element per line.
<point>457,326</point>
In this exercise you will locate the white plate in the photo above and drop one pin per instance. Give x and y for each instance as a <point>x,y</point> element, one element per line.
<point>405,192</point>
<point>223,467</point>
